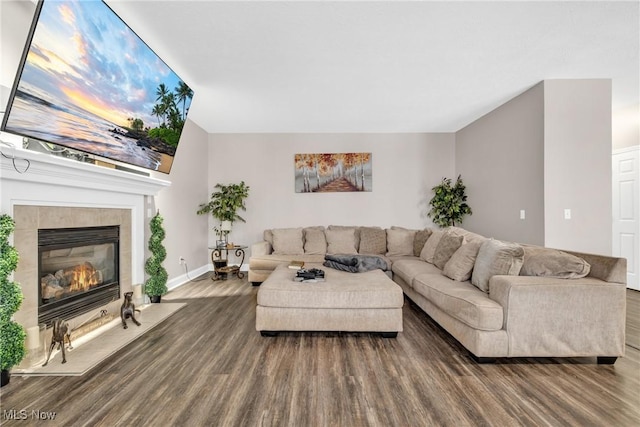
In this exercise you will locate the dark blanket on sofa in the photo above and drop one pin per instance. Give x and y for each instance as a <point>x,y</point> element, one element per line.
<point>355,263</point>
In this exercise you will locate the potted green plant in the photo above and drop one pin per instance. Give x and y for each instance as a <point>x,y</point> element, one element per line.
<point>156,284</point>
<point>224,205</point>
<point>449,203</point>
<point>12,334</point>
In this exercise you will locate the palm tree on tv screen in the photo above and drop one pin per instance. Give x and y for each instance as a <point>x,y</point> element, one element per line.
<point>167,108</point>
<point>162,91</point>
<point>183,92</point>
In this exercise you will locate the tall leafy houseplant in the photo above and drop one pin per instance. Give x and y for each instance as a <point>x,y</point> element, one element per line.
<point>156,284</point>
<point>225,203</point>
<point>449,203</point>
<point>12,334</point>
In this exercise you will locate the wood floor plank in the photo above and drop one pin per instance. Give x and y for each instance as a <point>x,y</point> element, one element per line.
<point>633,319</point>
<point>207,366</point>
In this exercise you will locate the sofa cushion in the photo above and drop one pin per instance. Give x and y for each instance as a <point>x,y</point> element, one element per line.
<point>420,239</point>
<point>287,241</point>
<point>496,257</point>
<point>314,240</point>
<point>539,261</point>
<point>460,300</point>
<point>408,268</point>
<point>400,242</point>
<point>373,241</point>
<point>341,241</point>
<point>429,249</point>
<point>460,265</point>
<point>449,243</point>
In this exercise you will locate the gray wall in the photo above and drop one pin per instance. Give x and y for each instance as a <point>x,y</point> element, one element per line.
<point>547,150</point>
<point>500,158</point>
<point>186,232</point>
<point>405,167</point>
<point>577,164</point>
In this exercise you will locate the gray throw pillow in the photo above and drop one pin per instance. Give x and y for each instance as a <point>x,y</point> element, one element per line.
<point>539,261</point>
<point>430,246</point>
<point>496,258</point>
<point>421,238</point>
<point>449,243</point>
<point>373,240</point>
<point>460,265</point>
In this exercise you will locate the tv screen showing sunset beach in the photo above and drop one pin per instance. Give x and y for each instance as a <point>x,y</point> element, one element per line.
<point>89,83</point>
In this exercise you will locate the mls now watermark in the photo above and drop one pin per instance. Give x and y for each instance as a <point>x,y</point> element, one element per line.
<point>23,414</point>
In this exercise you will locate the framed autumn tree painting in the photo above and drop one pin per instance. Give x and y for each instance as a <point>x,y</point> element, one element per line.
<point>335,172</point>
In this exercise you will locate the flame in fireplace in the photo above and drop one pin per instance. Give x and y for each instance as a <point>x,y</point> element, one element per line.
<point>84,276</point>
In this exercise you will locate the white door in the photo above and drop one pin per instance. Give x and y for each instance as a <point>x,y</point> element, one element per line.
<point>626,200</point>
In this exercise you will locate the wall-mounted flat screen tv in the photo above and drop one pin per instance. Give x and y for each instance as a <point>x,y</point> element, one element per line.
<point>87,82</point>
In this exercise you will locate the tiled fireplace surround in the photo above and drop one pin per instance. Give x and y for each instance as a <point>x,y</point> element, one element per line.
<point>31,218</point>
<point>60,193</point>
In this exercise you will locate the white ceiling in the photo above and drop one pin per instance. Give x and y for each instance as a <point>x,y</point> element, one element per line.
<point>380,66</point>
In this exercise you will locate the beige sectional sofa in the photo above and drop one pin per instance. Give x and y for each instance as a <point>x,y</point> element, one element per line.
<point>498,299</point>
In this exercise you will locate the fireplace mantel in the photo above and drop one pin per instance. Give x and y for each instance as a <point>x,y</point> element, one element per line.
<point>58,171</point>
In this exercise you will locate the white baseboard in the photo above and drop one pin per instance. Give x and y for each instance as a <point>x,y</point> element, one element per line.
<point>183,278</point>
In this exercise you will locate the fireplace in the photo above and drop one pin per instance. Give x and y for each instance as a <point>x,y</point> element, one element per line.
<point>78,270</point>
<point>61,193</point>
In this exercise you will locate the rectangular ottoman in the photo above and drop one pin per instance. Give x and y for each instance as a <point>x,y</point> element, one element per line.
<point>354,302</point>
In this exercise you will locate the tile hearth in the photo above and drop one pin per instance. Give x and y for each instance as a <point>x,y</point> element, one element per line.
<point>89,351</point>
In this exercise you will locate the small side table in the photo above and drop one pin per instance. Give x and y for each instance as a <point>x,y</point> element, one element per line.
<point>222,254</point>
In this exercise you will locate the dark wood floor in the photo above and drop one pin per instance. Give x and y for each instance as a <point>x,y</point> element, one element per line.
<point>208,366</point>
<point>633,319</point>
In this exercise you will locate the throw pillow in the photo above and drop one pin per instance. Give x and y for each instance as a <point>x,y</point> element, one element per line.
<point>400,242</point>
<point>421,238</point>
<point>287,241</point>
<point>429,248</point>
<point>460,265</point>
<point>496,258</point>
<point>356,232</point>
<point>268,236</point>
<point>373,240</point>
<point>539,261</point>
<point>449,243</point>
<point>314,241</point>
<point>341,241</point>
<point>468,235</point>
